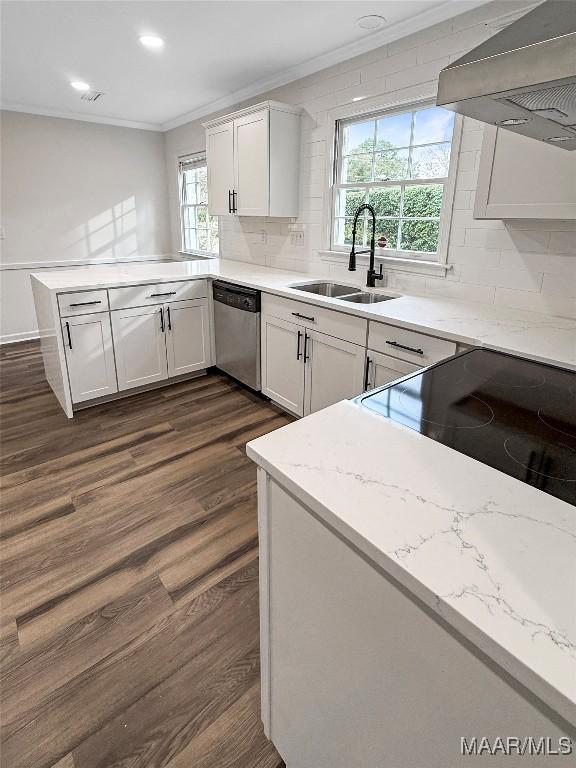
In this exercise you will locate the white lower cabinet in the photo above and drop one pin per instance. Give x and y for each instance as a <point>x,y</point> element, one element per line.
<point>89,356</point>
<point>159,342</point>
<point>187,336</point>
<point>282,363</point>
<point>382,369</point>
<point>334,370</point>
<point>140,346</point>
<point>304,370</point>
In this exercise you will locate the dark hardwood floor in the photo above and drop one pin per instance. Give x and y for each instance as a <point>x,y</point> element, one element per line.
<point>129,582</point>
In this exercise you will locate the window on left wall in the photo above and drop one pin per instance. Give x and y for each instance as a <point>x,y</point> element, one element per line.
<point>199,229</point>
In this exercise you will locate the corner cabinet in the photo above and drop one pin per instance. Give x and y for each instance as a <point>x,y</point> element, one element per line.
<point>253,161</point>
<point>521,178</point>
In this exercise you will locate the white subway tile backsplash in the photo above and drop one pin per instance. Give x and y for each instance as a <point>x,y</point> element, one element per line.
<point>523,264</point>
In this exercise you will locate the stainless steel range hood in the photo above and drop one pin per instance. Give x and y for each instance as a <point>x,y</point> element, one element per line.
<point>523,78</point>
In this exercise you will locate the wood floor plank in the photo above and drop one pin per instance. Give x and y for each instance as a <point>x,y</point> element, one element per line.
<point>129,577</point>
<point>234,740</point>
<point>28,679</point>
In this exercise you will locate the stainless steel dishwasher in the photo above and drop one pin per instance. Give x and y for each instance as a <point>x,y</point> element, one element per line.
<point>237,332</point>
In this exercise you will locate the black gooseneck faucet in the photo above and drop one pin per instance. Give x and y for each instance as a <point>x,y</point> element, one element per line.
<point>372,275</point>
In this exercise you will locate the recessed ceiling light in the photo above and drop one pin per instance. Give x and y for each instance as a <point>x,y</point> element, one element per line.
<point>373,21</point>
<point>151,41</point>
<point>358,98</point>
<point>80,85</point>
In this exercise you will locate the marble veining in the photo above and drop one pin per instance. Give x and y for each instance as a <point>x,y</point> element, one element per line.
<point>496,558</point>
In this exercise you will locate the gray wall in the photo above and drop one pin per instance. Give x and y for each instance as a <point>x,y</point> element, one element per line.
<point>74,193</point>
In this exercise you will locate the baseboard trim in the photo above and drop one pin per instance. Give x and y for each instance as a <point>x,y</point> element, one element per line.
<point>14,338</point>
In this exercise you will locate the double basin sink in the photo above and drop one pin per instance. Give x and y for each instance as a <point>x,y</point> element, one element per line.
<point>343,292</point>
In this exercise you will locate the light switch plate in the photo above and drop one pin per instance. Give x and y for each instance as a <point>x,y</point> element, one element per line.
<point>297,238</point>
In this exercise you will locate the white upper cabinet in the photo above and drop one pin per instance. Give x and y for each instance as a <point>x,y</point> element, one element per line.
<point>520,178</point>
<point>220,160</point>
<point>253,161</point>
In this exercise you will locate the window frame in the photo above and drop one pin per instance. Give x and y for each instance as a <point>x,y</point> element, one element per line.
<point>197,160</point>
<point>375,109</point>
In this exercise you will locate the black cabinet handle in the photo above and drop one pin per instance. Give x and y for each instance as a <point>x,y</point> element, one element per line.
<point>367,373</point>
<point>403,346</point>
<point>304,317</point>
<point>69,336</point>
<point>85,303</point>
<point>169,319</point>
<point>298,351</point>
<point>234,201</point>
<point>159,295</point>
<point>306,355</point>
<point>229,201</point>
<point>162,320</point>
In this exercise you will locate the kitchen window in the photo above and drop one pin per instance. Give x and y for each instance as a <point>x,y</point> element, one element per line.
<point>199,229</point>
<point>398,162</point>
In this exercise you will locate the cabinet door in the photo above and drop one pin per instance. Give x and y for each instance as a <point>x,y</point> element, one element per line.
<point>382,369</point>
<point>187,336</point>
<point>140,347</point>
<point>89,356</point>
<point>334,370</point>
<point>220,162</point>
<point>251,164</point>
<point>282,363</point>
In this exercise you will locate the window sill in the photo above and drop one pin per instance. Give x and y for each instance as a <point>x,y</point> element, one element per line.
<point>415,266</point>
<point>200,254</point>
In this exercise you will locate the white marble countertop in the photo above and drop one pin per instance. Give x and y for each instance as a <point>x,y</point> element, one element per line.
<point>541,337</point>
<point>495,557</point>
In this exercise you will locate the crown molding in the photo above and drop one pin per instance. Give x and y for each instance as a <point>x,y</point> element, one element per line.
<point>29,109</point>
<point>394,32</point>
<point>401,29</point>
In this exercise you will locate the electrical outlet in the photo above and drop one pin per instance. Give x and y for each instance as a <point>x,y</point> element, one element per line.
<point>2,232</point>
<point>297,238</point>
<point>263,238</point>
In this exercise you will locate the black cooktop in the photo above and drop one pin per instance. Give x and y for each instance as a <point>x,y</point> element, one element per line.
<point>515,415</point>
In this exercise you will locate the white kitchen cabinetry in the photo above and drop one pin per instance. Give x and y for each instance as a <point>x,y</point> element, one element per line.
<point>187,336</point>
<point>253,161</point>
<point>282,363</point>
<point>89,356</point>
<point>520,178</point>
<point>159,342</point>
<point>334,370</point>
<point>382,369</point>
<point>304,370</point>
<point>220,154</point>
<point>139,346</point>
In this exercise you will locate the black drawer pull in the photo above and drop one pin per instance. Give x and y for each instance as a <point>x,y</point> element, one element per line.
<point>403,346</point>
<point>84,303</point>
<point>158,295</point>
<point>304,317</point>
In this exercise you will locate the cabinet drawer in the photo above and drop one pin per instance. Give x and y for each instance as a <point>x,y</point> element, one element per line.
<point>82,303</point>
<point>415,347</point>
<point>329,321</point>
<point>158,293</point>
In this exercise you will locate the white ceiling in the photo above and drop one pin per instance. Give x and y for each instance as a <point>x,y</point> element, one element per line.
<point>216,53</point>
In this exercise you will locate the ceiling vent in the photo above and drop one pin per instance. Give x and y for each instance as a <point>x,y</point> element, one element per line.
<point>91,95</point>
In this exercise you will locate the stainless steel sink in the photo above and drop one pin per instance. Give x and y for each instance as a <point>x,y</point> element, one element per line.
<point>327,289</point>
<point>367,298</point>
